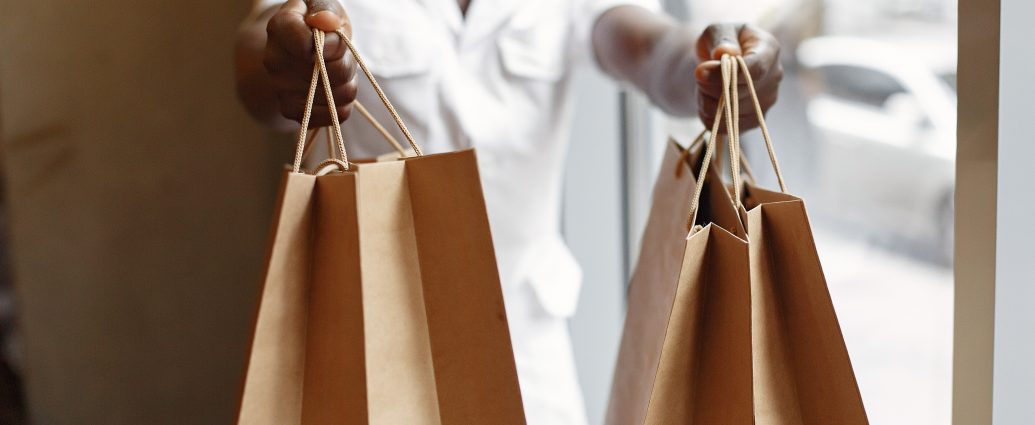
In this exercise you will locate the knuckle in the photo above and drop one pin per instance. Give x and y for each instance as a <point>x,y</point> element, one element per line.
<point>344,111</point>
<point>318,120</point>
<point>709,87</point>
<point>334,47</point>
<point>338,71</point>
<point>274,24</point>
<point>290,33</point>
<point>714,31</point>
<point>279,25</point>
<point>291,110</point>
<point>351,67</point>
<point>347,92</point>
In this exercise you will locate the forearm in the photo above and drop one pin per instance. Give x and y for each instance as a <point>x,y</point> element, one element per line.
<point>653,52</point>
<point>254,86</point>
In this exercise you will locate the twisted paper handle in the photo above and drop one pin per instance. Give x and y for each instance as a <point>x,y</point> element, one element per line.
<point>761,125</point>
<point>320,75</point>
<point>730,109</point>
<point>380,93</point>
<point>373,123</point>
<point>709,149</point>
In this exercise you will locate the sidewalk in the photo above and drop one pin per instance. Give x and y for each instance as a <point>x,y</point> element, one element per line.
<point>896,314</point>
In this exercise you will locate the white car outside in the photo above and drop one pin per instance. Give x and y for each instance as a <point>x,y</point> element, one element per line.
<point>884,113</point>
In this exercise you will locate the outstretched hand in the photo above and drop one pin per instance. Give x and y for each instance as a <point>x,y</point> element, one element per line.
<point>760,51</point>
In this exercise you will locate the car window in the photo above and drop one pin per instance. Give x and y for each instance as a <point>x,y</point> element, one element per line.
<point>858,84</point>
<point>950,79</point>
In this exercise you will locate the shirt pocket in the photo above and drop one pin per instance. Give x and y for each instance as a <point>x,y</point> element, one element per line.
<point>534,44</point>
<point>392,53</point>
<point>401,61</point>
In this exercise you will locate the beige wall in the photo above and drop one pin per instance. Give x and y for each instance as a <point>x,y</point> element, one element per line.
<point>140,196</point>
<point>976,175</point>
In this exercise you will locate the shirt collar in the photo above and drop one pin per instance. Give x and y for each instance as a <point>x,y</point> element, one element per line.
<point>483,16</point>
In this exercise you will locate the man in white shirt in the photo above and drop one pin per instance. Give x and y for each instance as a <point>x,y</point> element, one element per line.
<point>496,75</point>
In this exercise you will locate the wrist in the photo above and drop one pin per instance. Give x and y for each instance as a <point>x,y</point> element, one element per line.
<point>252,81</point>
<point>672,85</point>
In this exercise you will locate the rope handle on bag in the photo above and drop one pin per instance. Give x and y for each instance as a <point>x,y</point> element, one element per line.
<point>731,111</point>
<point>699,140</point>
<point>761,125</point>
<point>709,150</point>
<point>320,74</point>
<point>380,93</point>
<point>380,128</point>
<point>373,123</point>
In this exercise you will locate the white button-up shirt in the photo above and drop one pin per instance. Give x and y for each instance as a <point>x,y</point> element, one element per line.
<point>498,80</point>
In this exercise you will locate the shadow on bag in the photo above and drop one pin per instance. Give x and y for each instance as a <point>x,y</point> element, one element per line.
<point>382,301</point>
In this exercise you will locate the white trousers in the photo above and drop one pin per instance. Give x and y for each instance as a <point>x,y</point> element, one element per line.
<point>545,362</point>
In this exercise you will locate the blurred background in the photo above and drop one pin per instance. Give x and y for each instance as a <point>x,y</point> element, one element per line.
<point>869,91</point>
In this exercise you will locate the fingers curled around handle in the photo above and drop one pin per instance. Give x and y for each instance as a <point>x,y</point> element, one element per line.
<point>718,40</point>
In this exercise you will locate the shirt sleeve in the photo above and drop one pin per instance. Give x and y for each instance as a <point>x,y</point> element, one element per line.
<point>585,16</point>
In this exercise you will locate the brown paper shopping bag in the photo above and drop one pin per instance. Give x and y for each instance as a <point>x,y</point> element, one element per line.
<point>685,356</point>
<point>799,371</point>
<point>382,301</point>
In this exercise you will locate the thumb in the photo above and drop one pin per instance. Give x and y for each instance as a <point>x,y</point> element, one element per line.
<point>326,15</point>
<point>717,40</point>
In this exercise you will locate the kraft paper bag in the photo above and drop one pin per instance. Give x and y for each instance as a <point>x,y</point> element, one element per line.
<point>685,355</point>
<point>801,368</point>
<point>802,371</point>
<point>382,301</point>
<point>799,371</point>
